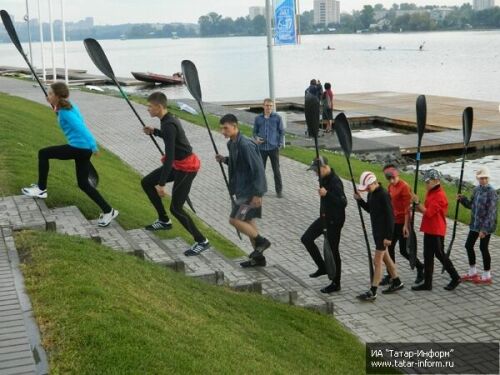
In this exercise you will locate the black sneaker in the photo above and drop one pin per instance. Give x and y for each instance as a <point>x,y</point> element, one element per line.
<point>386,280</point>
<point>367,296</point>
<point>159,225</point>
<point>197,248</point>
<point>420,287</point>
<point>260,246</point>
<point>333,287</point>
<point>318,273</point>
<point>394,287</point>
<point>453,284</point>
<point>257,262</point>
<point>420,276</point>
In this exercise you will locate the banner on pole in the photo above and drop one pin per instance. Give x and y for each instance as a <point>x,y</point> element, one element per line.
<point>285,29</point>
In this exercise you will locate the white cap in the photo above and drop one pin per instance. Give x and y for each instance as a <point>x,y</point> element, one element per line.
<point>483,172</point>
<point>367,178</point>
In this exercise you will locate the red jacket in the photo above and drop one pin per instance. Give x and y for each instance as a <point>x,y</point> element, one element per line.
<point>434,218</point>
<point>400,199</point>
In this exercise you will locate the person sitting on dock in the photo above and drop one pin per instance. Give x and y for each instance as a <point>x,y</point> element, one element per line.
<point>483,206</point>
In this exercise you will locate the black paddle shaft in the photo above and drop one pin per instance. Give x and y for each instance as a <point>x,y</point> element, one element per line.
<point>467,120</point>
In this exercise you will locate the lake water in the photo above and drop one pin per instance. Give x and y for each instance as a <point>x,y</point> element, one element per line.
<point>456,64</point>
<point>460,64</point>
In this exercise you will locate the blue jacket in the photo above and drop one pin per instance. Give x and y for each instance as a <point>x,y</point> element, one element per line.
<point>75,130</point>
<point>247,177</point>
<point>271,129</point>
<point>483,204</point>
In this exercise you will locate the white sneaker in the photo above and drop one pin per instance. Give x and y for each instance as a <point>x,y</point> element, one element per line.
<point>105,219</point>
<point>34,192</point>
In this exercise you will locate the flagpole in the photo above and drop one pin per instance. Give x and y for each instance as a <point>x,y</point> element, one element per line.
<point>270,59</point>
<point>44,77</point>
<point>27,19</point>
<point>64,44</point>
<point>52,45</point>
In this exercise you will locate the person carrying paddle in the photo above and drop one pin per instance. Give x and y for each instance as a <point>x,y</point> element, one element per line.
<point>483,206</point>
<point>180,165</point>
<point>333,204</point>
<point>81,145</point>
<point>268,133</point>
<point>247,181</point>
<point>434,228</point>
<point>400,193</point>
<point>379,206</point>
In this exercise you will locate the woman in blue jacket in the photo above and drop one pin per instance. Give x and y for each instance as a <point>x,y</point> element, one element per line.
<point>81,145</point>
<point>483,205</point>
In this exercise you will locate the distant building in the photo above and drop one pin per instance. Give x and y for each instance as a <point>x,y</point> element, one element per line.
<point>326,12</point>
<point>483,4</point>
<point>256,11</point>
<point>439,14</point>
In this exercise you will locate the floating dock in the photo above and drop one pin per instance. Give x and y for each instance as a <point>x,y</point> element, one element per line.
<point>397,111</point>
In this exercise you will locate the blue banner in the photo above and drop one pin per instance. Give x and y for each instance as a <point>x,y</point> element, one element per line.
<point>285,30</point>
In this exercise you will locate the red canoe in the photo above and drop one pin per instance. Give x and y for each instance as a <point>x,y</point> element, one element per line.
<point>176,79</point>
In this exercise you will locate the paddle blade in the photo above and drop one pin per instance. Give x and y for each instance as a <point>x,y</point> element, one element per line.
<point>467,118</point>
<point>329,260</point>
<point>421,116</point>
<point>343,130</point>
<point>191,78</point>
<point>311,110</point>
<point>98,57</point>
<point>93,177</point>
<point>9,26</point>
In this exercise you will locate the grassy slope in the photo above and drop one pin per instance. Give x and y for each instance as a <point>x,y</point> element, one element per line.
<point>27,127</point>
<point>101,312</point>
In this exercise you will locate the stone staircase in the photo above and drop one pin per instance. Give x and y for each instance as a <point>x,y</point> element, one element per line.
<point>211,266</point>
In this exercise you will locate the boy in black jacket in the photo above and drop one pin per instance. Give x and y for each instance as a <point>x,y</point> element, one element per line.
<point>333,204</point>
<point>379,206</point>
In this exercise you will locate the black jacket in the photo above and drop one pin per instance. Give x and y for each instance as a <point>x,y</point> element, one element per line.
<point>333,204</point>
<point>380,208</point>
<point>177,146</point>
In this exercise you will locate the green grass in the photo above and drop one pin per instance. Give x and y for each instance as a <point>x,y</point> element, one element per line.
<point>101,312</point>
<point>339,163</point>
<point>27,127</point>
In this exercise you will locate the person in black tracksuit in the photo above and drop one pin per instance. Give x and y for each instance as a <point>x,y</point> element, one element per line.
<point>379,206</point>
<point>333,204</point>
<point>180,165</point>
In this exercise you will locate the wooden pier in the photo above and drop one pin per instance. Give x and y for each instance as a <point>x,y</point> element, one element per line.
<point>397,110</point>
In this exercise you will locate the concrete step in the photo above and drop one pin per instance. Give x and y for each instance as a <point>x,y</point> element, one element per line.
<point>69,220</point>
<point>154,251</point>
<point>281,285</point>
<point>117,238</point>
<point>234,275</point>
<point>21,212</point>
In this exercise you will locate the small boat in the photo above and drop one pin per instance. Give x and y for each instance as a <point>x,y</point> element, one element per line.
<point>175,79</point>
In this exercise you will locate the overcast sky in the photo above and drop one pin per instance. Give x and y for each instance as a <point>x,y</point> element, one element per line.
<point>164,11</point>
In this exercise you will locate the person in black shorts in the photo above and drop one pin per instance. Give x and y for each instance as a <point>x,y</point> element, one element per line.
<point>247,182</point>
<point>379,206</point>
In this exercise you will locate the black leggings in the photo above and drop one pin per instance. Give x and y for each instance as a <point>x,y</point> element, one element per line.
<point>434,246</point>
<point>483,246</point>
<point>398,237</point>
<point>82,164</point>
<point>180,192</point>
<point>314,231</point>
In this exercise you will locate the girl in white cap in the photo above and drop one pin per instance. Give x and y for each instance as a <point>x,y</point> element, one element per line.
<point>379,206</point>
<point>483,204</point>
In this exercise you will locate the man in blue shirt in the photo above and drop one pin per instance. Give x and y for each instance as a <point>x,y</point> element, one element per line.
<point>269,135</point>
